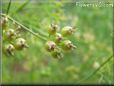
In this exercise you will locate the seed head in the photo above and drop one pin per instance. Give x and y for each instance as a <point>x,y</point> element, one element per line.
<point>50,46</point>
<point>58,37</point>
<point>67,45</point>
<point>3,22</point>
<point>21,43</point>
<point>9,48</point>
<point>10,33</point>
<point>67,31</point>
<point>52,29</point>
<point>57,54</point>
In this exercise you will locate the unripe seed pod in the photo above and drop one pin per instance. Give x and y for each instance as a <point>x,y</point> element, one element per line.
<point>10,33</point>
<point>58,37</point>
<point>67,31</point>
<point>67,45</point>
<point>57,54</point>
<point>52,29</point>
<point>4,22</point>
<point>20,44</point>
<point>18,29</point>
<point>9,49</point>
<point>50,46</point>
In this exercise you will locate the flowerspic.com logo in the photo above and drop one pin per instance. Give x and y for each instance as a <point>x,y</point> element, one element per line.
<point>94,4</point>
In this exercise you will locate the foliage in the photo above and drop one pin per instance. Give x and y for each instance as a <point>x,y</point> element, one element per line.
<point>92,38</point>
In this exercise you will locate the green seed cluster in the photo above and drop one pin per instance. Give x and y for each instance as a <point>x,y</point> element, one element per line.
<point>58,40</point>
<point>56,43</point>
<point>12,40</point>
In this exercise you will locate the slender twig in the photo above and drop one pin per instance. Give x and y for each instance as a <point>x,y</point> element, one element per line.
<point>93,73</point>
<point>9,5</point>
<point>24,27</point>
<point>21,7</point>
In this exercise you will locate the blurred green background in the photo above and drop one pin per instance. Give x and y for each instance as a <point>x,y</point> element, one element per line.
<point>93,37</point>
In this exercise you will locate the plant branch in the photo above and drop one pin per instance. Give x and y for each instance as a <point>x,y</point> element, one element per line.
<point>8,7</point>
<point>21,7</point>
<point>24,27</point>
<point>93,73</point>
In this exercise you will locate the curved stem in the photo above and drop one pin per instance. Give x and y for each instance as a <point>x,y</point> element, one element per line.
<point>24,27</point>
<point>93,73</point>
<point>8,7</point>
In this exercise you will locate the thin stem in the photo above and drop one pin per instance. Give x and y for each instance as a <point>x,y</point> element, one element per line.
<point>21,7</point>
<point>8,7</point>
<point>93,73</point>
<point>24,27</point>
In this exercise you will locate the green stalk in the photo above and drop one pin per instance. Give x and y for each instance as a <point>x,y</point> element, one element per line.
<point>24,27</point>
<point>9,5</point>
<point>93,73</point>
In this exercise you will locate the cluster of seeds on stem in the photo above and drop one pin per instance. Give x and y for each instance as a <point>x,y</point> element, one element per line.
<point>59,40</point>
<point>12,39</point>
